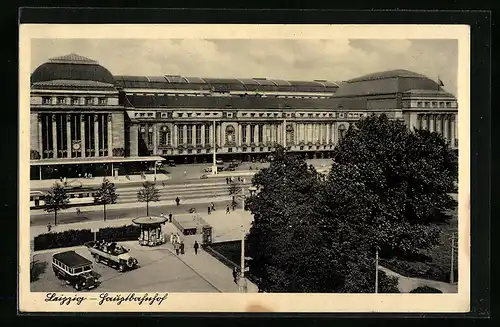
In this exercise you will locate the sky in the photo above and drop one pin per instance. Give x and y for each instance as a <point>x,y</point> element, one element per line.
<point>332,59</point>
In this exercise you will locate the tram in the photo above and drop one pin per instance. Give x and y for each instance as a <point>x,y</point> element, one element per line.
<point>78,196</point>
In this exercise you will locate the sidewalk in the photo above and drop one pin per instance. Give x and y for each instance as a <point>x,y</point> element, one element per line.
<point>96,181</point>
<point>214,271</point>
<point>131,205</point>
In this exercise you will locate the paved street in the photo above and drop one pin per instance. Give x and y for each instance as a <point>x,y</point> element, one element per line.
<point>160,271</point>
<point>70,216</point>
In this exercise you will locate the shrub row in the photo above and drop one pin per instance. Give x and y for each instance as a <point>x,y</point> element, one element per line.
<point>79,237</point>
<point>122,233</point>
<point>63,239</point>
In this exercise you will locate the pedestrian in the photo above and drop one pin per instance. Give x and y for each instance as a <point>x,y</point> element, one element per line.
<point>234,205</point>
<point>227,210</point>
<point>235,275</point>
<point>177,200</point>
<point>182,247</point>
<point>227,180</point>
<point>79,175</point>
<point>163,184</point>
<point>212,205</point>
<point>170,217</point>
<point>196,246</point>
<point>49,227</point>
<point>243,180</point>
<point>208,209</point>
<point>176,246</point>
<point>172,238</point>
<point>162,215</point>
<point>185,173</point>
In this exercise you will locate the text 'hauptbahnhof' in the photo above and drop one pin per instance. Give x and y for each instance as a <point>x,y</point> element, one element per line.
<point>84,119</point>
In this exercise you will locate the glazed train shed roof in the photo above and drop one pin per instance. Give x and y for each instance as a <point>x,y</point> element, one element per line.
<point>223,84</point>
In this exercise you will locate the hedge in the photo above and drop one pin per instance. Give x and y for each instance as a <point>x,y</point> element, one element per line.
<point>64,239</point>
<point>121,233</point>
<point>425,289</point>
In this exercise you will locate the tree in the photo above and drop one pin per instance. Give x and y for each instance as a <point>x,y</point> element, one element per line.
<point>106,194</point>
<point>148,193</point>
<point>284,240</point>
<point>56,199</point>
<point>234,189</point>
<point>391,185</point>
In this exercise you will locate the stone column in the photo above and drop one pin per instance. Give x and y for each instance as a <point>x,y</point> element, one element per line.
<point>431,123</point>
<point>446,127</point>
<point>174,135</point>
<point>203,134</point>
<point>155,138</point>
<point>54,135</point>
<point>194,134</point>
<point>40,136</point>
<point>110,137</point>
<point>439,122</point>
<point>453,132</point>
<point>68,135</point>
<point>82,135</point>
<point>211,134</point>
<point>257,139</point>
<point>184,134</point>
<point>96,134</point>
<point>334,135</point>
<point>328,134</point>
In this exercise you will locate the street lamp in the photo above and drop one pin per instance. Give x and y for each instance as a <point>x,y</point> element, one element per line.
<point>214,147</point>
<point>242,282</point>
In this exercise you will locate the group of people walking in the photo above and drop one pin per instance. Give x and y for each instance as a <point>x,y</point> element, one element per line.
<point>179,246</point>
<point>231,179</point>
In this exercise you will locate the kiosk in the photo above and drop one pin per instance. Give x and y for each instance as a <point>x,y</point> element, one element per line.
<point>151,234</point>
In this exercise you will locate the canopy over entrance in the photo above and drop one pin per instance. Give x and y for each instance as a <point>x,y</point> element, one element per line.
<point>93,160</point>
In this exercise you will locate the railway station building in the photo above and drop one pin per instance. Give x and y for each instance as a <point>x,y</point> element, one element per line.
<point>84,119</point>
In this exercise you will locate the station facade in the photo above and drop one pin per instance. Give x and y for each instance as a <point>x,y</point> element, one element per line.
<point>84,119</point>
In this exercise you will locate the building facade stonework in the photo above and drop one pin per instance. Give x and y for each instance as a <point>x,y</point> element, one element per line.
<point>80,112</point>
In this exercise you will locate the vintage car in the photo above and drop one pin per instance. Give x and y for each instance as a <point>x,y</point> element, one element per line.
<point>171,163</point>
<point>208,170</point>
<point>75,269</point>
<point>112,254</point>
<point>204,176</point>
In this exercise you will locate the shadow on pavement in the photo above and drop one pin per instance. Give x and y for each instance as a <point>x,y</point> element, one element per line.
<point>37,268</point>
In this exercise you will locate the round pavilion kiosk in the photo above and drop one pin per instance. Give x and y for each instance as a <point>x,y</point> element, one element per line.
<point>151,234</point>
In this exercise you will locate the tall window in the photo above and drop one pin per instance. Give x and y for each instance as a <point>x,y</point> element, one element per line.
<point>75,101</point>
<point>46,100</point>
<point>230,134</point>
<point>261,133</point>
<point>61,100</point>
<point>252,133</point>
<point>89,101</point>
<point>244,133</point>
<point>289,134</point>
<point>165,136</point>
<point>207,135</point>
<point>198,134</point>
<point>180,134</point>
<point>189,134</point>
<point>150,136</point>
<point>342,131</point>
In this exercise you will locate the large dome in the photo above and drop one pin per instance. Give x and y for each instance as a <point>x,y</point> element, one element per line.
<point>72,67</point>
<point>388,82</point>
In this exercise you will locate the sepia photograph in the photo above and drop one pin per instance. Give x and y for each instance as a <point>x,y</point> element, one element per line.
<point>246,165</point>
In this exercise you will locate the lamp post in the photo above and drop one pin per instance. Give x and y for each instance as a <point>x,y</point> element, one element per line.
<point>214,163</point>
<point>243,282</point>
<point>453,247</point>
<point>376,270</point>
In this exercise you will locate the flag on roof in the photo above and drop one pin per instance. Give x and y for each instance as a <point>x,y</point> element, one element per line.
<point>440,82</point>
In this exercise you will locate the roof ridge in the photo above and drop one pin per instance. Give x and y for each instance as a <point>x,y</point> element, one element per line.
<point>73,58</point>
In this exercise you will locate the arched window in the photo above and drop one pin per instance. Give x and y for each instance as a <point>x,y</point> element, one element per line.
<point>289,135</point>
<point>165,136</point>
<point>230,134</point>
<point>342,131</point>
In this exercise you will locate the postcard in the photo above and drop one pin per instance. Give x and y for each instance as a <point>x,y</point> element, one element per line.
<point>244,168</point>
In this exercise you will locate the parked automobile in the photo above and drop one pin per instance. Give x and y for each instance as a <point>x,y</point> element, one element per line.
<point>204,176</point>
<point>75,270</point>
<point>208,170</point>
<point>235,163</point>
<point>230,168</point>
<point>171,163</point>
<point>112,254</point>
